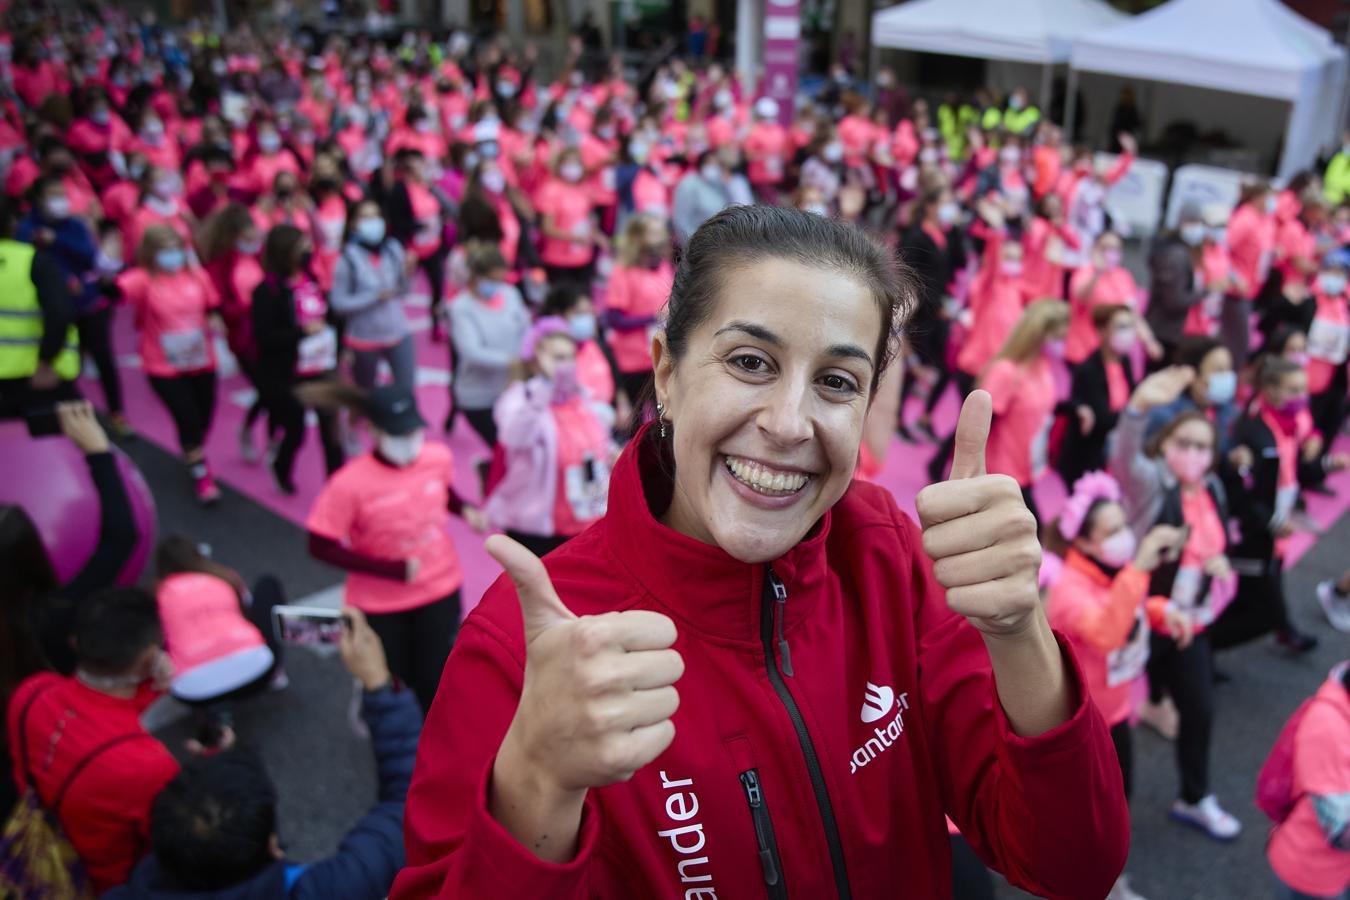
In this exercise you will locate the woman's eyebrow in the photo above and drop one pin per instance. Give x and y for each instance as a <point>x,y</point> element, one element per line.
<point>759,332</point>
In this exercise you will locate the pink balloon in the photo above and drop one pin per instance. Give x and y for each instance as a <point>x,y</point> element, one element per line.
<point>49,478</point>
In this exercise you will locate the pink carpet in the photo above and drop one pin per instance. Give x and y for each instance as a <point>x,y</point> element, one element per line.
<point>904,471</point>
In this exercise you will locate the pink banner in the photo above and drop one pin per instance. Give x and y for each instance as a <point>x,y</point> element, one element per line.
<point>782,32</point>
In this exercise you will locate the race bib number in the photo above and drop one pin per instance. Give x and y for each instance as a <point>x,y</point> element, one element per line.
<point>1329,341</point>
<point>773,165</point>
<point>1285,499</point>
<point>607,178</point>
<point>1127,663</point>
<point>1213,304</point>
<point>428,231</point>
<point>330,232</point>
<point>186,351</point>
<point>317,353</point>
<point>1186,588</point>
<point>587,489</point>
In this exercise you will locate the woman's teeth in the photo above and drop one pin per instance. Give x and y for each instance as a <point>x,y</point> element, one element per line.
<point>769,482</point>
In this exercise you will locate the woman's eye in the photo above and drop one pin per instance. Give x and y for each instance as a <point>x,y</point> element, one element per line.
<point>839,384</point>
<point>750,363</point>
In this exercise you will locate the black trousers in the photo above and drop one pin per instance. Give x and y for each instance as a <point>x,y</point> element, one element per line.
<point>95,331</point>
<point>964,385</point>
<point>417,641</point>
<point>1258,609</point>
<point>191,402</point>
<point>970,878</point>
<point>1188,675</point>
<point>482,421</point>
<point>288,414</point>
<point>1122,736</point>
<point>249,369</point>
<point>433,267</point>
<point>537,544</point>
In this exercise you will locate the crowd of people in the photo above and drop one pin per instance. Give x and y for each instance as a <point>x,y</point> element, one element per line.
<point>289,202</point>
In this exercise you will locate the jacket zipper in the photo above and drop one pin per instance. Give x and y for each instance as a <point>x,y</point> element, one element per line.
<point>768,845</point>
<point>773,607</point>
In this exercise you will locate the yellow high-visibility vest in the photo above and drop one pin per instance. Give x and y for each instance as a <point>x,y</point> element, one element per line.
<point>21,319</point>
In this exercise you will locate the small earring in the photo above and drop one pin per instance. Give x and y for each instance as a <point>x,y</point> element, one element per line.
<point>661,420</point>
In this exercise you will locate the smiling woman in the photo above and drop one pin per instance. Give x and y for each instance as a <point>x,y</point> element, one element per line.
<point>796,609</point>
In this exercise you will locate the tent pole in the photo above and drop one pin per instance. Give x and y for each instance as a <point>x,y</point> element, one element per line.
<point>1047,81</point>
<point>1070,103</point>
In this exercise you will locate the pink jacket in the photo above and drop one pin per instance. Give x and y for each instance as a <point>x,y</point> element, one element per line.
<point>525,498</point>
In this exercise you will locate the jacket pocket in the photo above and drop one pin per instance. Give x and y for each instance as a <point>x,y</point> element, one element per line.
<point>756,801</point>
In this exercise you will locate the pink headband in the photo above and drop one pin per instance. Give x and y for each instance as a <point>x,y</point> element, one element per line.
<point>1087,490</point>
<point>545,327</point>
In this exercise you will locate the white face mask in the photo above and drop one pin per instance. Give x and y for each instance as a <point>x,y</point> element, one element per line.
<point>833,152</point>
<point>402,449</point>
<point>1118,549</point>
<point>570,171</point>
<point>711,172</point>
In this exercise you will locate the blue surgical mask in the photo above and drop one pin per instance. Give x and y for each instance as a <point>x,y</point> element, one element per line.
<point>1331,283</point>
<point>369,231</point>
<point>1193,233</point>
<point>583,327</point>
<point>1221,387</point>
<point>170,260</point>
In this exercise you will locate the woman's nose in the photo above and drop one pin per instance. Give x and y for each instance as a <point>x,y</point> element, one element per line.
<point>785,418</point>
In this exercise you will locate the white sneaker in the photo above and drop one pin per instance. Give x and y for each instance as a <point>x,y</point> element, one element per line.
<point>1161,717</point>
<point>1336,607</point>
<point>248,451</point>
<point>1209,817</point>
<point>1122,890</point>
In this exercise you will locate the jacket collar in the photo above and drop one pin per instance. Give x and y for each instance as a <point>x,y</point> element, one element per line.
<point>699,583</point>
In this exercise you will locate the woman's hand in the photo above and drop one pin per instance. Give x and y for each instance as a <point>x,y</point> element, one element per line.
<point>1218,566</point>
<point>982,540</point>
<point>1161,388</point>
<point>1157,546</point>
<point>595,706</point>
<point>80,425</point>
<point>1086,418</point>
<point>980,535</point>
<point>1179,625</point>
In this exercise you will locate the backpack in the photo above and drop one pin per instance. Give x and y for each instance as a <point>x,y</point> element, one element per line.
<point>1275,784</point>
<point>37,860</point>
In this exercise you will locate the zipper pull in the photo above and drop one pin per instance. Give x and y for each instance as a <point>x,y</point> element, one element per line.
<point>780,597</point>
<point>752,792</point>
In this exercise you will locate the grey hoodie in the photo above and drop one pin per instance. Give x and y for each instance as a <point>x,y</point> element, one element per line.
<point>357,284</point>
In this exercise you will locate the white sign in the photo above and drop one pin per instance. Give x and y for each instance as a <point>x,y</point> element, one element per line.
<point>1136,201</point>
<point>1203,186</point>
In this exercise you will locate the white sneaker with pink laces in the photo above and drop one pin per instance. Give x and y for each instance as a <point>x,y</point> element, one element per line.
<point>1208,816</point>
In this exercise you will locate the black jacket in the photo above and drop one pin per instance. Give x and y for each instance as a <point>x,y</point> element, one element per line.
<point>933,266</point>
<point>1253,493</point>
<point>1160,583</point>
<point>276,330</point>
<point>1172,289</point>
<point>1080,453</point>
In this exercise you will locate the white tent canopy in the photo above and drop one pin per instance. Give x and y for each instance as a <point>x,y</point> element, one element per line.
<point>1033,31</point>
<point>1254,47</point>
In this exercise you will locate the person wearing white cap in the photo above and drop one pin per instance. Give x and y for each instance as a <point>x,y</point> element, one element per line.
<point>766,149</point>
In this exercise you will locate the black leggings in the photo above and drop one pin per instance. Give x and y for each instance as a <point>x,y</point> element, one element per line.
<point>417,641</point>
<point>970,878</point>
<point>483,422</point>
<point>1258,609</point>
<point>191,402</point>
<point>1328,407</point>
<point>249,369</point>
<point>1122,736</point>
<point>288,414</point>
<point>433,267</point>
<point>1188,675</point>
<point>96,340</point>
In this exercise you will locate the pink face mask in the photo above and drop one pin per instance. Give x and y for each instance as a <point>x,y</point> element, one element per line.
<point>1189,464</point>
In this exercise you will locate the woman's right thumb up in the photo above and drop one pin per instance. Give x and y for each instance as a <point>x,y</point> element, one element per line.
<point>540,605</point>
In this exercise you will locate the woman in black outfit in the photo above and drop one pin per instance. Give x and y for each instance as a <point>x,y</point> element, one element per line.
<point>295,345</point>
<point>934,248</point>
<point>1101,387</point>
<point>38,612</point>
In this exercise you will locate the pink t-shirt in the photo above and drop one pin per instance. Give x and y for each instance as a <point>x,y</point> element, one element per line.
<point>1114,286</point>
<point>1024,398</point>
<point>1117,385</point>
<point>387,512</point>
<point>996,302</point>
<point>1298,850</point>
<point>640,292</point>
<point>767,147</point>
<point>578,501</point>
<point>170,313</point>
<point>650,194</point>
<point>1251,241</point>
<point>426,210</point>
<point>569,206</point>
<point>594,373</point>
<point>144,217</point>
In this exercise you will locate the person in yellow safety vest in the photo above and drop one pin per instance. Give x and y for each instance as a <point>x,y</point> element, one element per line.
<point>39,346</point>
<point>1020,118</point>
<point>1336,182</point>
<point>954,121</point>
